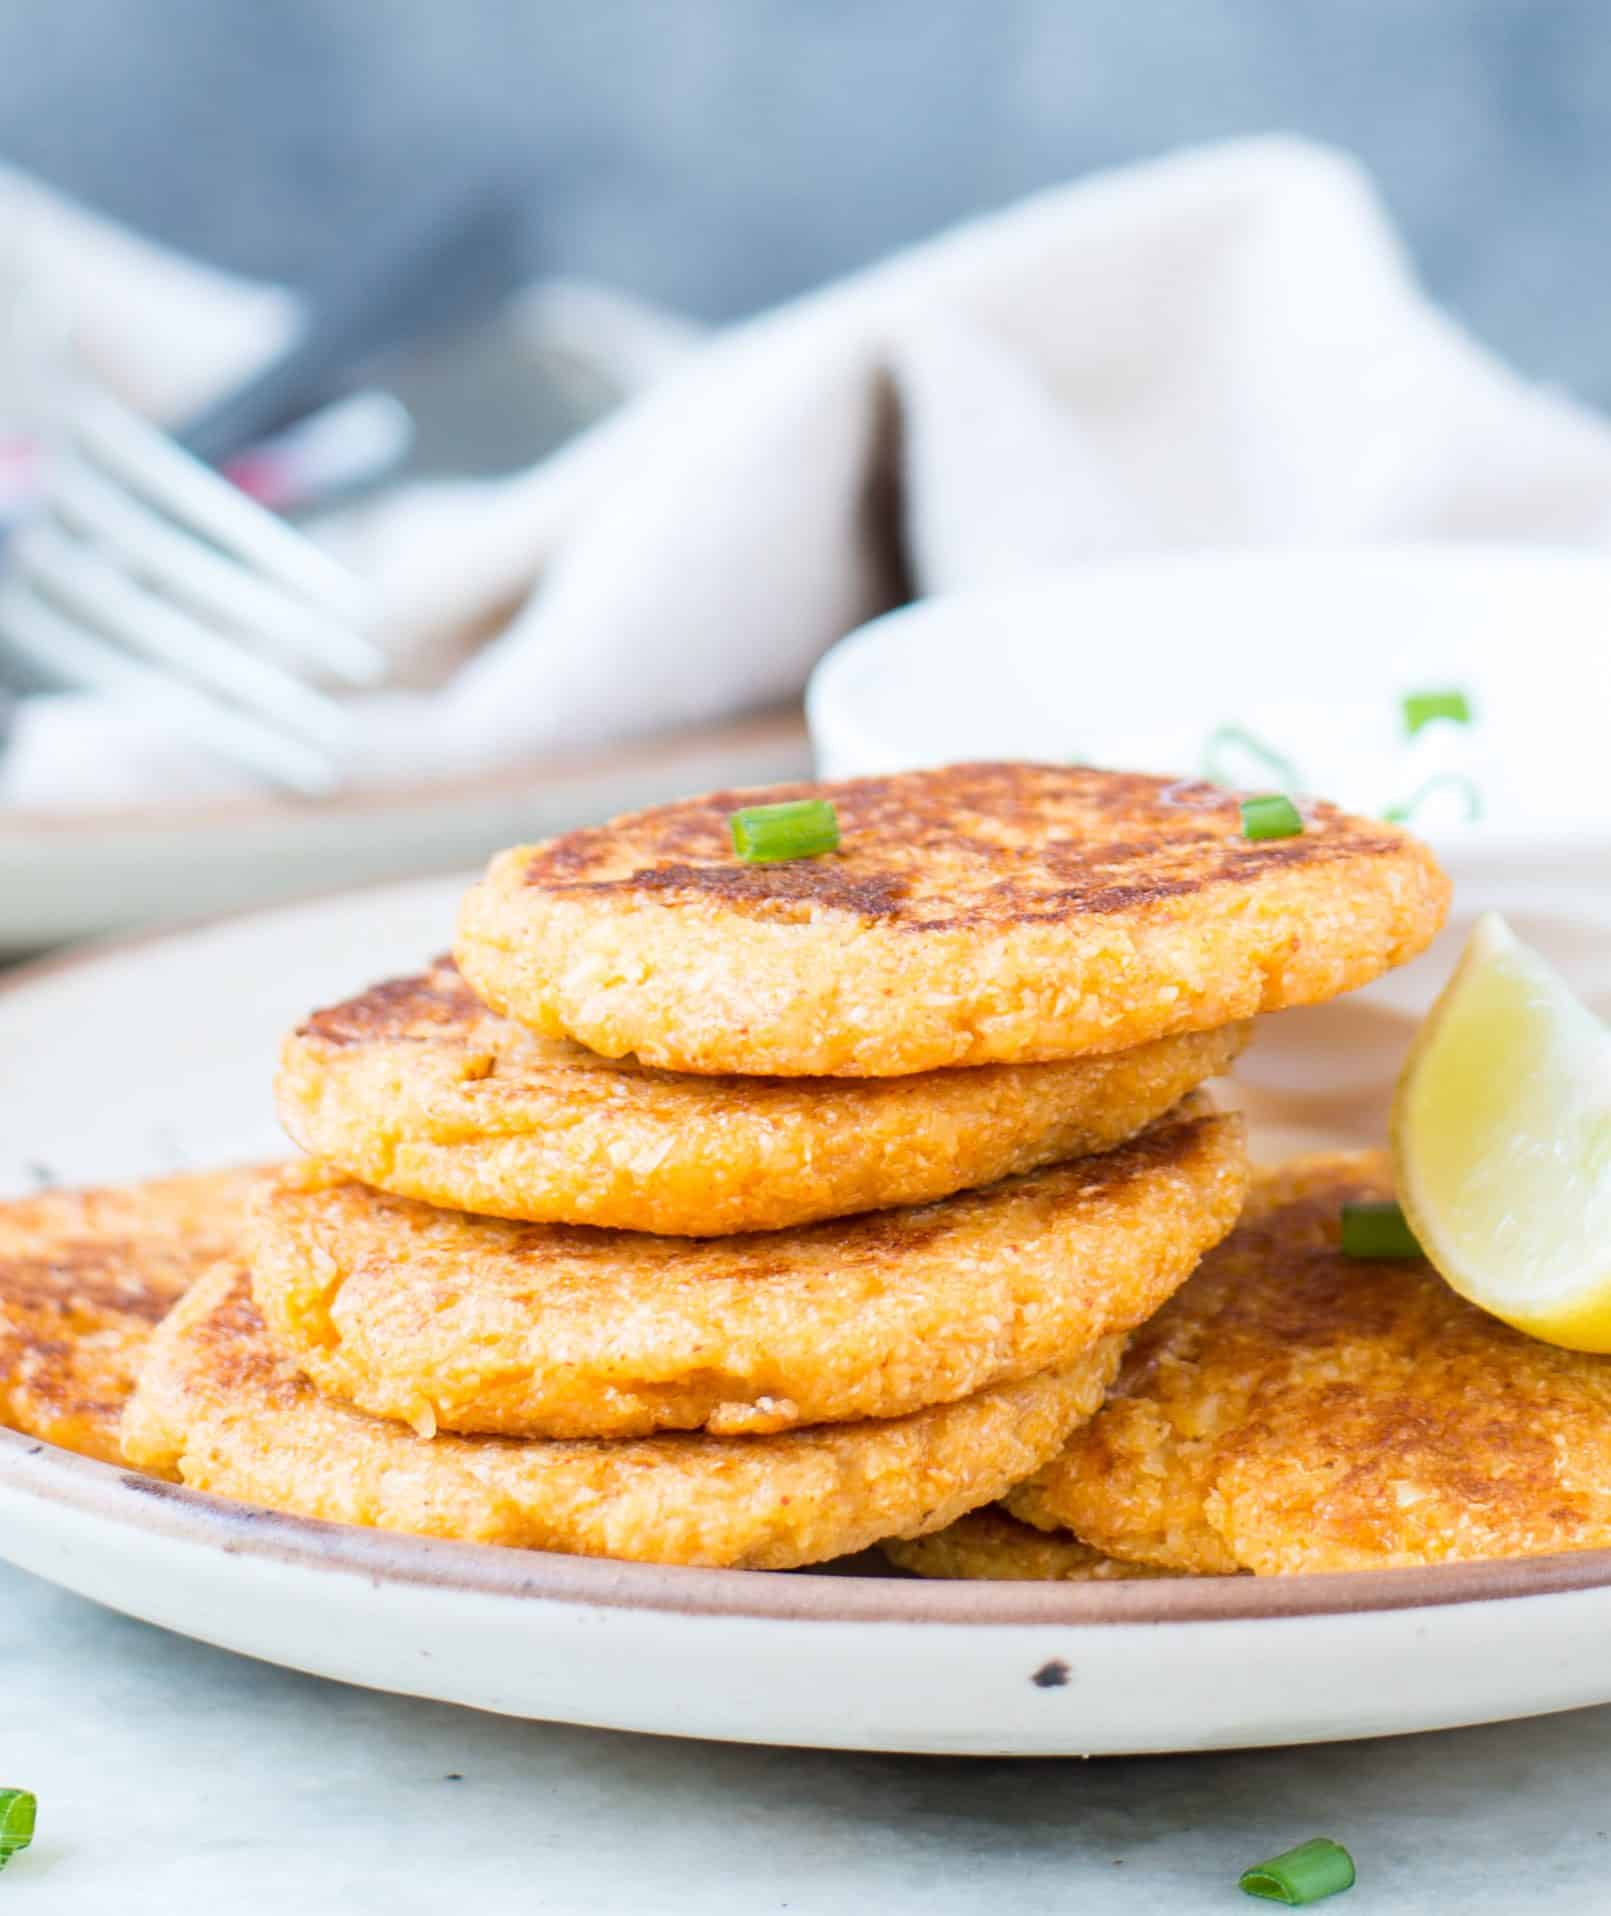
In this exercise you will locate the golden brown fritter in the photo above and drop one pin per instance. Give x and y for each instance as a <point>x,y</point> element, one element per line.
<point>85,1277</point>
<point>981,914</point>
<point>477,1324</point>
<point>989,1546</point>
<point>220,1408</point>
<point>1296,1410</point>
<point>418,1089</point>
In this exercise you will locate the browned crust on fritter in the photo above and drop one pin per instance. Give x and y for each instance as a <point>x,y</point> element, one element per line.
<point>976,914</point>
<point>434,1003</point>
<point>1031,842</point>
<point>416,1088</point>
<point>988,1545</point>
<point>85,1275</point>
<point>217,1406</point>
<point>1295,1410</point>
<point>475,1324</point>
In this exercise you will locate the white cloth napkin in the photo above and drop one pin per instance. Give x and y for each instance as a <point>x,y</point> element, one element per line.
<point>1226,346</point>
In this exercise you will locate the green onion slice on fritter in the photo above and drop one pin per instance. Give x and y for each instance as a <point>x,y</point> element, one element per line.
<point>798,828</point>
<point>1271,816</point>
<point>1377,1228</point>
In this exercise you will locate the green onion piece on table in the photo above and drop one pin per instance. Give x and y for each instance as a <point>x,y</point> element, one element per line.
<point>798,828</point>
<point>1314,1869</point>
<point>1377,1228</point>
<point>1421,708</point>
<point>17,1811</point>
<point>1272,816</point>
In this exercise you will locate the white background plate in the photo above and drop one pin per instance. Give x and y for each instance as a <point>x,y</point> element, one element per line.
<point>66,875</point>
<point>159,1055</point>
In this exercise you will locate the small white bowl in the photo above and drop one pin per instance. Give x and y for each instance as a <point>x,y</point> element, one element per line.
<point>1135,662</point>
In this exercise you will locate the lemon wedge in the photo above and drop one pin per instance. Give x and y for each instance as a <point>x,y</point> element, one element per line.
<point>1502,1143</point>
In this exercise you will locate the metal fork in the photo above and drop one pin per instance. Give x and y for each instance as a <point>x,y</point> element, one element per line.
<point>146,575</point>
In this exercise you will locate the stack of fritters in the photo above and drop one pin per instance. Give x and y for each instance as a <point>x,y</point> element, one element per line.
<point>726,1213</point>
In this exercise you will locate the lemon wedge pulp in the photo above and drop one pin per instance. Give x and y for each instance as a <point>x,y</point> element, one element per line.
<point>1502,1143</point>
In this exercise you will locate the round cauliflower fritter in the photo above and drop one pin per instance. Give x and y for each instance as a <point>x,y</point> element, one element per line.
<point>980,914</point>
<point>418,1089</point>
<point>85,1277</point>
<point>1292,1409</point>
<point>221,1409</point>
<point>988,1546</point>
<point>532,1330</point>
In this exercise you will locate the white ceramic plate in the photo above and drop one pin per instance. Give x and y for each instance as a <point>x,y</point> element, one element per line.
<point>157,1055</point>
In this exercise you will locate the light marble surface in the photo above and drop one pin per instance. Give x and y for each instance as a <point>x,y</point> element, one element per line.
<point>180,1780</point>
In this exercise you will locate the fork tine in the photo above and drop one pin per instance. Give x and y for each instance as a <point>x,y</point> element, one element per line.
<point>199,575</point>
<point>81,580</point>
<point>72,653</point>
<point>153,466</point>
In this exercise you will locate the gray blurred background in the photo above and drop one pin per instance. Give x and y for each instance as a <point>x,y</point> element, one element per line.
<point>720,154</point>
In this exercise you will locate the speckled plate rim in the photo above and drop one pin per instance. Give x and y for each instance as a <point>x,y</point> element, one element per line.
<point>111,1495</point>
<point>124,1498</point>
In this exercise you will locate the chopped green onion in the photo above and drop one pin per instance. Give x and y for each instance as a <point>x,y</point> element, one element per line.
<point>1221,768</point>
<point>1313,1870</point>
<point>798,828</point>
<point>1273,816</point>
<point>1421,708</point>
<point>1377,1228</point>
<point>17,1811</point>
